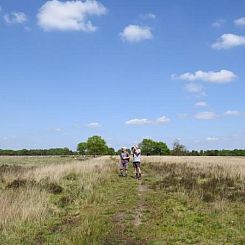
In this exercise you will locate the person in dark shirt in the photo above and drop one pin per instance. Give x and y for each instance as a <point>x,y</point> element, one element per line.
<point>124,160</point>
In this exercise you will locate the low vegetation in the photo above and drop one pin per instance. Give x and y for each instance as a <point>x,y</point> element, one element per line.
<point>196,200</point>
<point>36,197</point>
<point>179,200</point>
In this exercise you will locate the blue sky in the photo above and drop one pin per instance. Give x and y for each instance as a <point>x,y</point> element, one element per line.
<point>125,70</point>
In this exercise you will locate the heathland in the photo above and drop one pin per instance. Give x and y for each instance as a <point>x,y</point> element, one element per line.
<point>74,200</point>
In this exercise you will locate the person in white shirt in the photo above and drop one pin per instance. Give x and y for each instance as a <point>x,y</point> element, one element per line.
<point>136,161</point>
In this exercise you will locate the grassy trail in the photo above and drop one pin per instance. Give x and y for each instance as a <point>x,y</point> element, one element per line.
<point>145,213</point>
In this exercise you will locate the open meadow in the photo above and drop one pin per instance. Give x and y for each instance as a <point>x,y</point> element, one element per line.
<point>68,200</point>
<point>122,122</point>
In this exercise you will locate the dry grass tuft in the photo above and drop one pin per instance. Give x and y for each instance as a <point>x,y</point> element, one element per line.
<point>25,190</point>
<point>232,167</point>
<point>210,178</point>
<point>22,205</point>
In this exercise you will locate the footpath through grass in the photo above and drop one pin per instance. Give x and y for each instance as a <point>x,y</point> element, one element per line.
<point>123,210</point>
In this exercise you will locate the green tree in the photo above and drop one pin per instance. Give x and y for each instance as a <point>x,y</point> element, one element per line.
<point>111,151</point>
<point>96,146</point>
<point>150,147</point>
<point>82,148</point>
<point>179,149</point>
<point>147,147</point>
<point>161,149</point>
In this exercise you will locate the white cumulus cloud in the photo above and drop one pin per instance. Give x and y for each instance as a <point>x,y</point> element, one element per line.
<point>206,115</point>
<point>137,121</point>
<point>149,16</point>
<point>145,121</point>
<point>240,21</point>
<point>162,119</point>
<point>232,113</point>
<point>15,18</point>
<point>212,139</point>
<point>195,88</point>
<point>94,125</point>
<point>201,103</point>
<point>135,33</point>
<point>218,23</point>
<point>58,129</point>
<point>222,76</point>
<point>55,15</point>
<point>228,40</point>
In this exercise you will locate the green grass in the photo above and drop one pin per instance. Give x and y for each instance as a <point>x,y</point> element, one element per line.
<point>121,210</point>
<point>175,219</point>
<point>77,215</point>
<point>17,160</point>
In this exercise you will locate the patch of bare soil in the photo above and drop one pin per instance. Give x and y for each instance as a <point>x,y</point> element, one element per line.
<point>119,217</point>
<point>119,234</point>
<point>140,208</point>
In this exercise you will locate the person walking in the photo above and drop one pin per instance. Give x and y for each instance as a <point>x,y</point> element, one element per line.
<point>136,161</point>
<point>124,160</point>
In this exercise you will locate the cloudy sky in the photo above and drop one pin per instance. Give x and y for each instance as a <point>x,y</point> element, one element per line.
<point>123,69</point>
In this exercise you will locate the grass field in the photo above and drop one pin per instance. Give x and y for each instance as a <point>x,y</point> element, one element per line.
<point>179,200</point>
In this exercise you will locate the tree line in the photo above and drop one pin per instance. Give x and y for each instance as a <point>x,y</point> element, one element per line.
<point>181,150</point>
<point>235,152</point>
<point>96,145</point>
<point>37,152</point>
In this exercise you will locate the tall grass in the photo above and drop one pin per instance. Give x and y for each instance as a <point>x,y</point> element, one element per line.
<point>34,160</point>
<point>21,205</point>
<point>212,179</point>
<point>25,191</point>
<point>233,167</point>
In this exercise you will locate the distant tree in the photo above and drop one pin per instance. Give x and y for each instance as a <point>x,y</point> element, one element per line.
<point>82,148</point>
<point>178,149</point>
<point>59,151</point>
<point>161,149</point>
<point>151,147</point>
<point>111,151</point>
<point>96,146</point>
<point>147,147</point>
<point>23,152</point>
<point>37,152</point>
<point>194,153</point>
